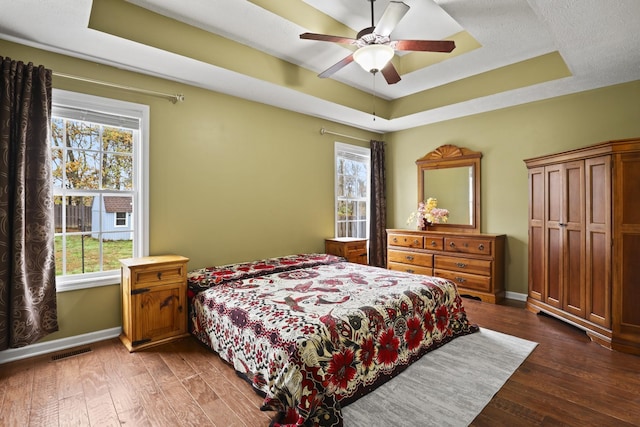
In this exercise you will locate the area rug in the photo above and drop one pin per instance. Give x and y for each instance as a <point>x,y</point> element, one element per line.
<point>447,387</point>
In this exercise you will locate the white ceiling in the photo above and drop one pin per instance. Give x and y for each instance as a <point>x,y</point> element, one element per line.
<point>598,40</point>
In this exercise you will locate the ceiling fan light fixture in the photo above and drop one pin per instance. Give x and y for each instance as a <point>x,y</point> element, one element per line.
<point>373,57</point>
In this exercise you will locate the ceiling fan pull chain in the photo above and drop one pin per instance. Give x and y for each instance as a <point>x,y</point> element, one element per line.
<point>374,93</point>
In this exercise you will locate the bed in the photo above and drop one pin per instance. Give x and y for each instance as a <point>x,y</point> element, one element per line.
<point>313,333</point>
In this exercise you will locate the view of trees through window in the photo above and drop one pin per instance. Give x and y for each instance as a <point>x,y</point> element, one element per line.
<point>352,191</point>
<point>92,164</point>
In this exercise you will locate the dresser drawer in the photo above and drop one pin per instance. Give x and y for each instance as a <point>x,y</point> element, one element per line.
<point>415,269</point>
<point>465,265</point>
<point>413,258</point>
<point>433,242</point>
<point>405,240</point>
<point>468,245</point>
<point>158,275</point>
<point>465,280</point>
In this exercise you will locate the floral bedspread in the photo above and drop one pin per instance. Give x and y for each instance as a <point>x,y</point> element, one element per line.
<point>315,333</point>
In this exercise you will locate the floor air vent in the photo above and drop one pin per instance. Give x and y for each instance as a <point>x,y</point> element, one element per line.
<point>71,353</point>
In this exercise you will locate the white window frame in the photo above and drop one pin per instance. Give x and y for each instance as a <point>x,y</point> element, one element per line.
<point>360,151</point>
<point>140,216</point>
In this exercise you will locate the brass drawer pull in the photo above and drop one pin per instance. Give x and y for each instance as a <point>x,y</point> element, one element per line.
<point>481,247</point>
<point>416,242</point>
<point>408,270</point>
<point>452,245</point>
<point>433,243</point>
<point>395,240</point>
<point>460,279</point>
<point>159,275</point>
<point>461,264</point>
<point>409,258</point>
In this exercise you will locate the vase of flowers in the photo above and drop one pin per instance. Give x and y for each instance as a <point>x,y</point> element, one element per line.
<point>428,213</point>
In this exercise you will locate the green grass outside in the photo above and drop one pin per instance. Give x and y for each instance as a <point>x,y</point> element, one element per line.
<point>112,251</point>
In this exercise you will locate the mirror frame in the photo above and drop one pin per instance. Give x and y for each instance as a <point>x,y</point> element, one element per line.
<point>451,156</point>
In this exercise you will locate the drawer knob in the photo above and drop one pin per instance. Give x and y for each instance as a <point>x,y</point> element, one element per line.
<point>452,245</point>
<point>461,264</point>
<point>409,270</point>
<point>416,242</point>
<point>409,258</point>
<point>159,275</point>
<point>433,243</point>
<point>460,279</point>
<point>395,240</point>
<point>481,247</point>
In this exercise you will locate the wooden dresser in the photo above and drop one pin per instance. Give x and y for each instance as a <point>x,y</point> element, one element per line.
<point>584,240</point>
<point>475,262</point>
<point>352,248</point>
<point>154,300</point>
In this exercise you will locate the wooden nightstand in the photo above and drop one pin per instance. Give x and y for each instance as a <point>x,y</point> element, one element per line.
<point>351,248</point>
<point>154,300</point>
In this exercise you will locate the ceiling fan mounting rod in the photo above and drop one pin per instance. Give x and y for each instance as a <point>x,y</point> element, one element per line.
<point>372,24</point>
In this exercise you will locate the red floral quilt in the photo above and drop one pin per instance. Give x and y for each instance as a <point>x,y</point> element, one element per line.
<point>314,333</point>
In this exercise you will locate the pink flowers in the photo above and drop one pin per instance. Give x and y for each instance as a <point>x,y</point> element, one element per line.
<point>430,212</point>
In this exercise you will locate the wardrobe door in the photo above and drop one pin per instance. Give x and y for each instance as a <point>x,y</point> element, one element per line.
<point>573,226</point>
<point>626,285</point>
<point>552,292</point>
<point>536,233</point>
<point>598,240</point>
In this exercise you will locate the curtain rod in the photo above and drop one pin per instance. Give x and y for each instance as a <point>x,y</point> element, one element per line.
<point>324,131</point>
<point>171,97</point>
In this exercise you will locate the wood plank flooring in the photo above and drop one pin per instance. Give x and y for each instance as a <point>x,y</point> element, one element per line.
<point>566,381</point>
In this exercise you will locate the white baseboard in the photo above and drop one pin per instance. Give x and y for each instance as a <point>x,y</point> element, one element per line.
<point>515,296</point>
<point>38,349</point>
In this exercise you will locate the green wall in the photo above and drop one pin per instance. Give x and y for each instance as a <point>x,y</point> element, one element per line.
<point>233,180</point>
<point>507,137</point>
<point>230,180</point>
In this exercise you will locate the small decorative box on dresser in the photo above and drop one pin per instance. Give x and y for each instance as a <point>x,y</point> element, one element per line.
<point>475,262</point>
<point>351,248</point>
<point>154,300</point>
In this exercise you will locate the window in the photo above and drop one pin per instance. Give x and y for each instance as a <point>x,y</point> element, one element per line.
<point>99,152</point>
<point>352,172</point>
<point>121,219</point>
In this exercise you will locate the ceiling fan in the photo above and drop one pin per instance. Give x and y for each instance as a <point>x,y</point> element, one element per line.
<point>375,48</point>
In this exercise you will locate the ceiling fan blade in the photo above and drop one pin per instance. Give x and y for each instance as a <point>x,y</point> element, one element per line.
<point>327,38</point>
<point>424,45</point>
<point>335,67</point>
<point>390,18</point>
<point>390,73</point>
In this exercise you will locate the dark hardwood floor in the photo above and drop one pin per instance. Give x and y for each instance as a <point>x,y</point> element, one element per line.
<point>566,381</point>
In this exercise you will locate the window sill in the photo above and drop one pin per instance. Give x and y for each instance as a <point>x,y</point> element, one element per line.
<point>64,284</point>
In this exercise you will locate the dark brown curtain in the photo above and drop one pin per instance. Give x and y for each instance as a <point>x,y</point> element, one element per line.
<point>27,266</point>
<point>378,216</point>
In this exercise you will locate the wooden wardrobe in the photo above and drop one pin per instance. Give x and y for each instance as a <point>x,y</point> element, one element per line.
<point>584,240</point>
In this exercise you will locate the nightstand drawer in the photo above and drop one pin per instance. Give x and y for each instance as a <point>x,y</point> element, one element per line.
<point>158,275</point>
<point>353,249</point>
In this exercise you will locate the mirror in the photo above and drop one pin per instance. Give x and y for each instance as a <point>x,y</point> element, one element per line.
<point>451,174</point>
